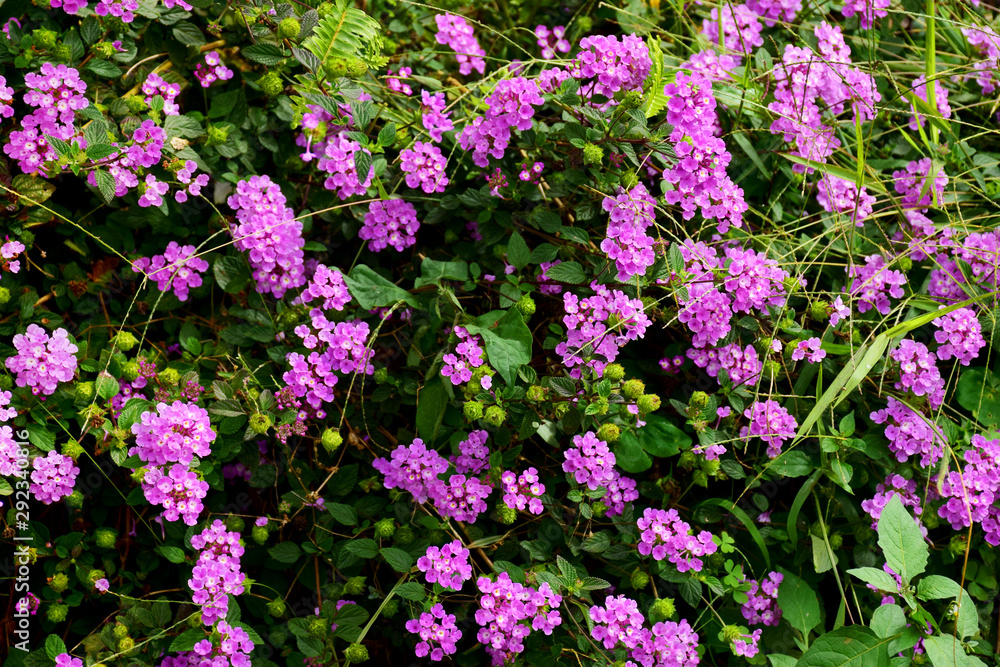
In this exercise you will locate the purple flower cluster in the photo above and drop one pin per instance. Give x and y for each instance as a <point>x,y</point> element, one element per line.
<point>268,232</point>
<point>895,485</point>
<point>447,565</point>
<point>762,607</point>
<point>42,362</point>
<point>56,93</point>
<point>456,33</point>
<point>959,335</point>
<point>177,489</point>
<point>987,42</point>
<point>433,116</point>
<point>123,9</point>
<point>390,222</point>
<point>740,29</point>
<point>665,536</point>
<point>212,70</point>
<point>53,477</point>
<point>619,621</point>
<point>144,151</point>
<point>973,492</point>
<point>982,252</point>
<point>811,349</point>
<point>590,338</point>
<point>867,10</point>
<point>412,468</point>
<point>509,611</point>
<point>775,10</point>
<point>918,372</point>
<point>155,85</point>
<point>552,40</point>
<point>474,455</point>
<point>66,660</point>
<point>177,268</point>
<point>438,633</point>
<point>940,99</point>
<point>838,195</point>
<point>754,281</point>
<point>523,492</point>
<point>874,283</point>
<point>336,348</point>
<point>911,184</point>
<point>711,64</point>
<point>468,355</point>
<point>631,213</point>
<point>217,573</point>
<point>909,433</point>
<point>424,167</point>
<point>6,99</point>
<point>590,461</point>
<point>606,65</point>
<point>326,284</point>
<point>771,423</point>
<point>510,106</point>
<point>462,497</point>
<point>175,433</point>
<point>395,81</point>
<point>8,256</point>
<point>699,179</point>
<point>337,161</point>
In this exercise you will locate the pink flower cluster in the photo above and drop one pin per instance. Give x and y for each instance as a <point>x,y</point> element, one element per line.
<point>510,106</point>
<point>959,335</point>
<point>775,10</point>
<point>940,99</point>
<point>811,349</point>
<point>982,251</point>
<point>185,175</point>
<point>424,167</point>
<point>395,81</point>
<point>175,433</point>
<point>918,372</point>
<point>874,283</point>
<point>740,29</point>
<point>987,42</point>
<point>462,497</point>
<point>754,280</point>
<point>56,92</point>
<point>705,310</point>
<point>8,254</point>
<point>177,268</point>
<point>42,362</point>
<point>468,355</point>
<point>327,285</point>
<point>390,222</point>
<point>619,621</point>
<point>523,492</point>
<point>867,10</point>
<point>838,195</point>
<point>53,477</point>
<point>178,489</point>
<point>552,40</point>
<point>771,423</point>
<point>590,340</point>
<point>123,9</point>
<point>911,185</point>
<point>266,229</point>
<point>433,116</point>
<point>909,433</point>
<point>144,151</point>
<point>631,213</point>
<point>6,99</point>
<point>606,65</point>
<point>474,455</point>
<point>509,611</point>
<point>711,64</point>
<point>762,607</point>
<point>456,33</point>
<point>336,348</point>
<point>894,485</point>
<point>447,565</point>
<point>973,492</point>
<point>217,573</point>
<point>590,461</point>
<point>438,633</point>
<point>412,468</point>
<point>212,70</point>
<point>155,85</point>
<point>337,160</point>
<point>665,536</point>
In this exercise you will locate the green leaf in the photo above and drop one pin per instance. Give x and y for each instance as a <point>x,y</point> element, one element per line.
<point>188,34</point>
<point>362,164</point>
<point>411,590</point>
<point>751,152</point>
<point>936,587</point>
<point>173,554</point>
<point>343,514</point>
<point>186,640</point>
<point>41,437</point>
<point>567,272</point>
<point>265,54</point>
<point>947,651</point>
<point>397,559</point>
<point>345,32</point>
<point>848,174</point>
<point>652,91</point>
<point>630,455</point>
<point>880,579</point>
<point>432,401</point>
<point>387,135</point>
<point>661,437</point>
<point>979,393</point>
<point>372,291</point>
<point>54,646</point>
<point>362,547</point>
<point>821,555</point>
<point>597,543</point>
<point>744,518</point>
<point>286,552</point>
<point>799,603</point>
<point>105,69</point>
<point>594,584</point>
<point>792,463</point>
<point>508,345</point>
<point>518,253</point>
<point>105,184</point>
<point>888,620</point>
<point>778,660</point>
<point>231,273</point>
<point>106,386</point>
<point>905,550</point>
<point>851,646</point>
<point>432,272</point>
<point>32,188</point>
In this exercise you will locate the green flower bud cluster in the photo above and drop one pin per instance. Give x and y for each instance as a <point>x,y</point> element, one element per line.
<point>332,440</point>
